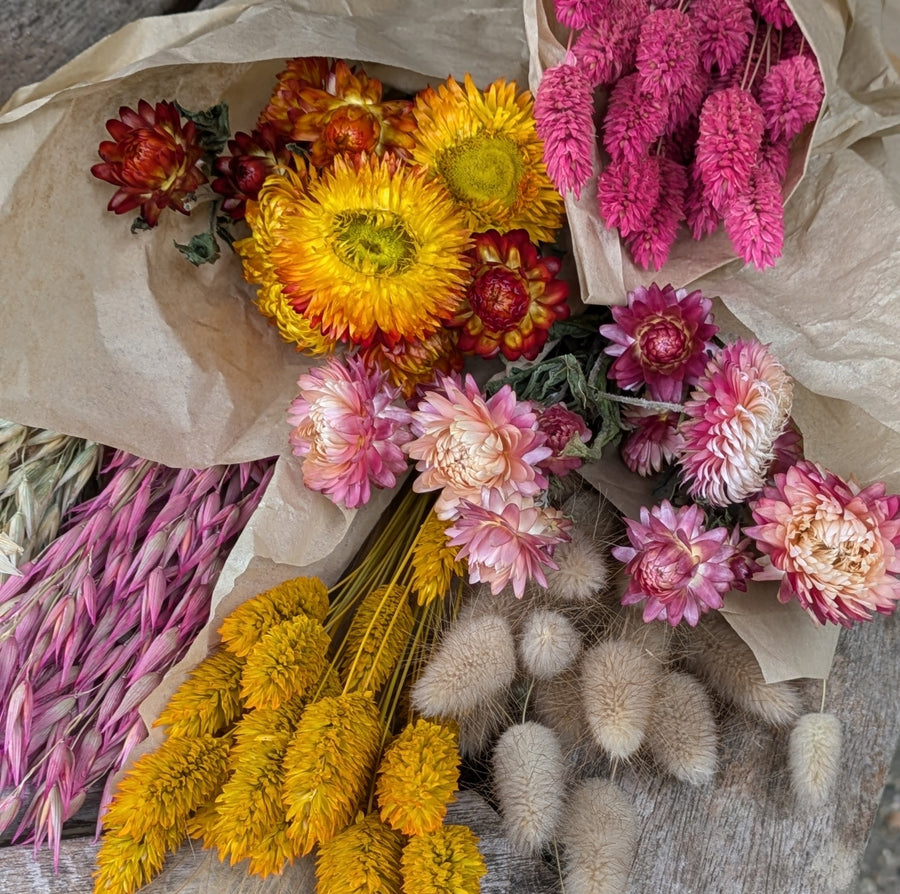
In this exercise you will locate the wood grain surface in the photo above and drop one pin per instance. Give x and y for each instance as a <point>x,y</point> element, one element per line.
<point>742,835</point>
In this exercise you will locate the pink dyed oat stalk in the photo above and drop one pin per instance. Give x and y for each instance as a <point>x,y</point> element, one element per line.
<point>91,626</point>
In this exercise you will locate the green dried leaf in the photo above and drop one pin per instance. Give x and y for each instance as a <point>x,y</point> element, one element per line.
<point>212,126</point>
<point>202,249</point>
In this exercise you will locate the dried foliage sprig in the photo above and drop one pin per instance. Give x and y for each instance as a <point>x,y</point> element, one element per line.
<point>92,624</point>
<point>42,474</point>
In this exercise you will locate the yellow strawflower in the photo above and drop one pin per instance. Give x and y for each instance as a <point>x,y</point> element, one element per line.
<point>376,639</point>
<point>418,776</point>
<point>242,629</point>
<point>328,765</point>
<point>434,563</point>
<point>362,859</point>
<point>484,148</point>
<point>208,701</point>
<point>373,250</point>
<point>164,787</point>
<point>288,660</point>
<point>446,861</point>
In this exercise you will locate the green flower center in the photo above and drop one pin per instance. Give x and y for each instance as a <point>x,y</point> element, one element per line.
<point>482,169</point>
<point>376,243</point>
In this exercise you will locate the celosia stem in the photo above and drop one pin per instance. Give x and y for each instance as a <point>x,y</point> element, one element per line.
<point>759,60</point>
<point>822,705</point>
<point>749,57</point>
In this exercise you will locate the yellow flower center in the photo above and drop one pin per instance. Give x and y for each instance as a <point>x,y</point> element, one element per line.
<point>373,242</point>
<point>482,169</point>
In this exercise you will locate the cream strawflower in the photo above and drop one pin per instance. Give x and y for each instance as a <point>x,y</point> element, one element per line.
<point>466,443</point>
<point>834,545</point>
<point>735,415</point>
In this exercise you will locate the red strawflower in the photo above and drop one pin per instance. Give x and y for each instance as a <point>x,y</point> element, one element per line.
<point>660,339</point>
<point>667,52</point>
<point>513,300</point>
<point>678,568</point>
<point>564,114</point>
<point>755,221</point>
<point>731,132</point>
<point>253,157</point>
<point>633,121</point>
<point>628,192</point>
<point>790,96</point>
<point>650,245</point>
<point>154,159</point>
<point>724,28</point>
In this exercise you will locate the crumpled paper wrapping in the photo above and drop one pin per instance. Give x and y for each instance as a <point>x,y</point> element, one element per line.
<point>830,307</point>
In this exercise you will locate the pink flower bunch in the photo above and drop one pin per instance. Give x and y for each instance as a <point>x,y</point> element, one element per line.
<point>95,621</point>
<point>678,568</point>
<point>704,99</point>
<point>834,546</point>
<point>485,456</point>
<point>349,426</point>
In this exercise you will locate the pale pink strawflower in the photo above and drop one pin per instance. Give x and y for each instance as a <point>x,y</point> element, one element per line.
<point>834,545</point>
<point>667,52</point>
<point>606,48</point>
<point>790,96</point>
<point>628,193</point>
<point>659,339</point>
<point>734,417</point>
<point>723,29</point>
<point>633,120</point>
<point>788,448</point>
<point>652,440</point>
<point>776,12</point>
<point>754,221</point>
<point>507,539</point>
<point>465,442</point>
<point>561,425</point>
<point>349,427</point>
<point>731,132</point>
<point>677,568</point>
<point>650,245</point>
<point>564,114</point>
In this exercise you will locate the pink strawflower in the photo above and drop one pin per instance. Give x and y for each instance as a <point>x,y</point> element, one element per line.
<point>724,28</point>
<point>734,417</point>
<point>606,49</point>
<point>731,131</point>
<point>507,539</point>
<point>652,441</point>
<point>660,339</point>
<point>788,448</point>
<point>678,568</point>
<point>790,96</point>
<point>465,443</point>
<point>564,113</point>
<point>667,52</point>
<point>578,14</point>
<point>744,562</point>
<point>633,120</point>
<point>628,193</point>
<point>776,12</point>
<point>560,425</point>
<point>754,221</point>
<point>833,544</point>
<point>700,216</point>
<point>650,246</point>
<point>349,427</point>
